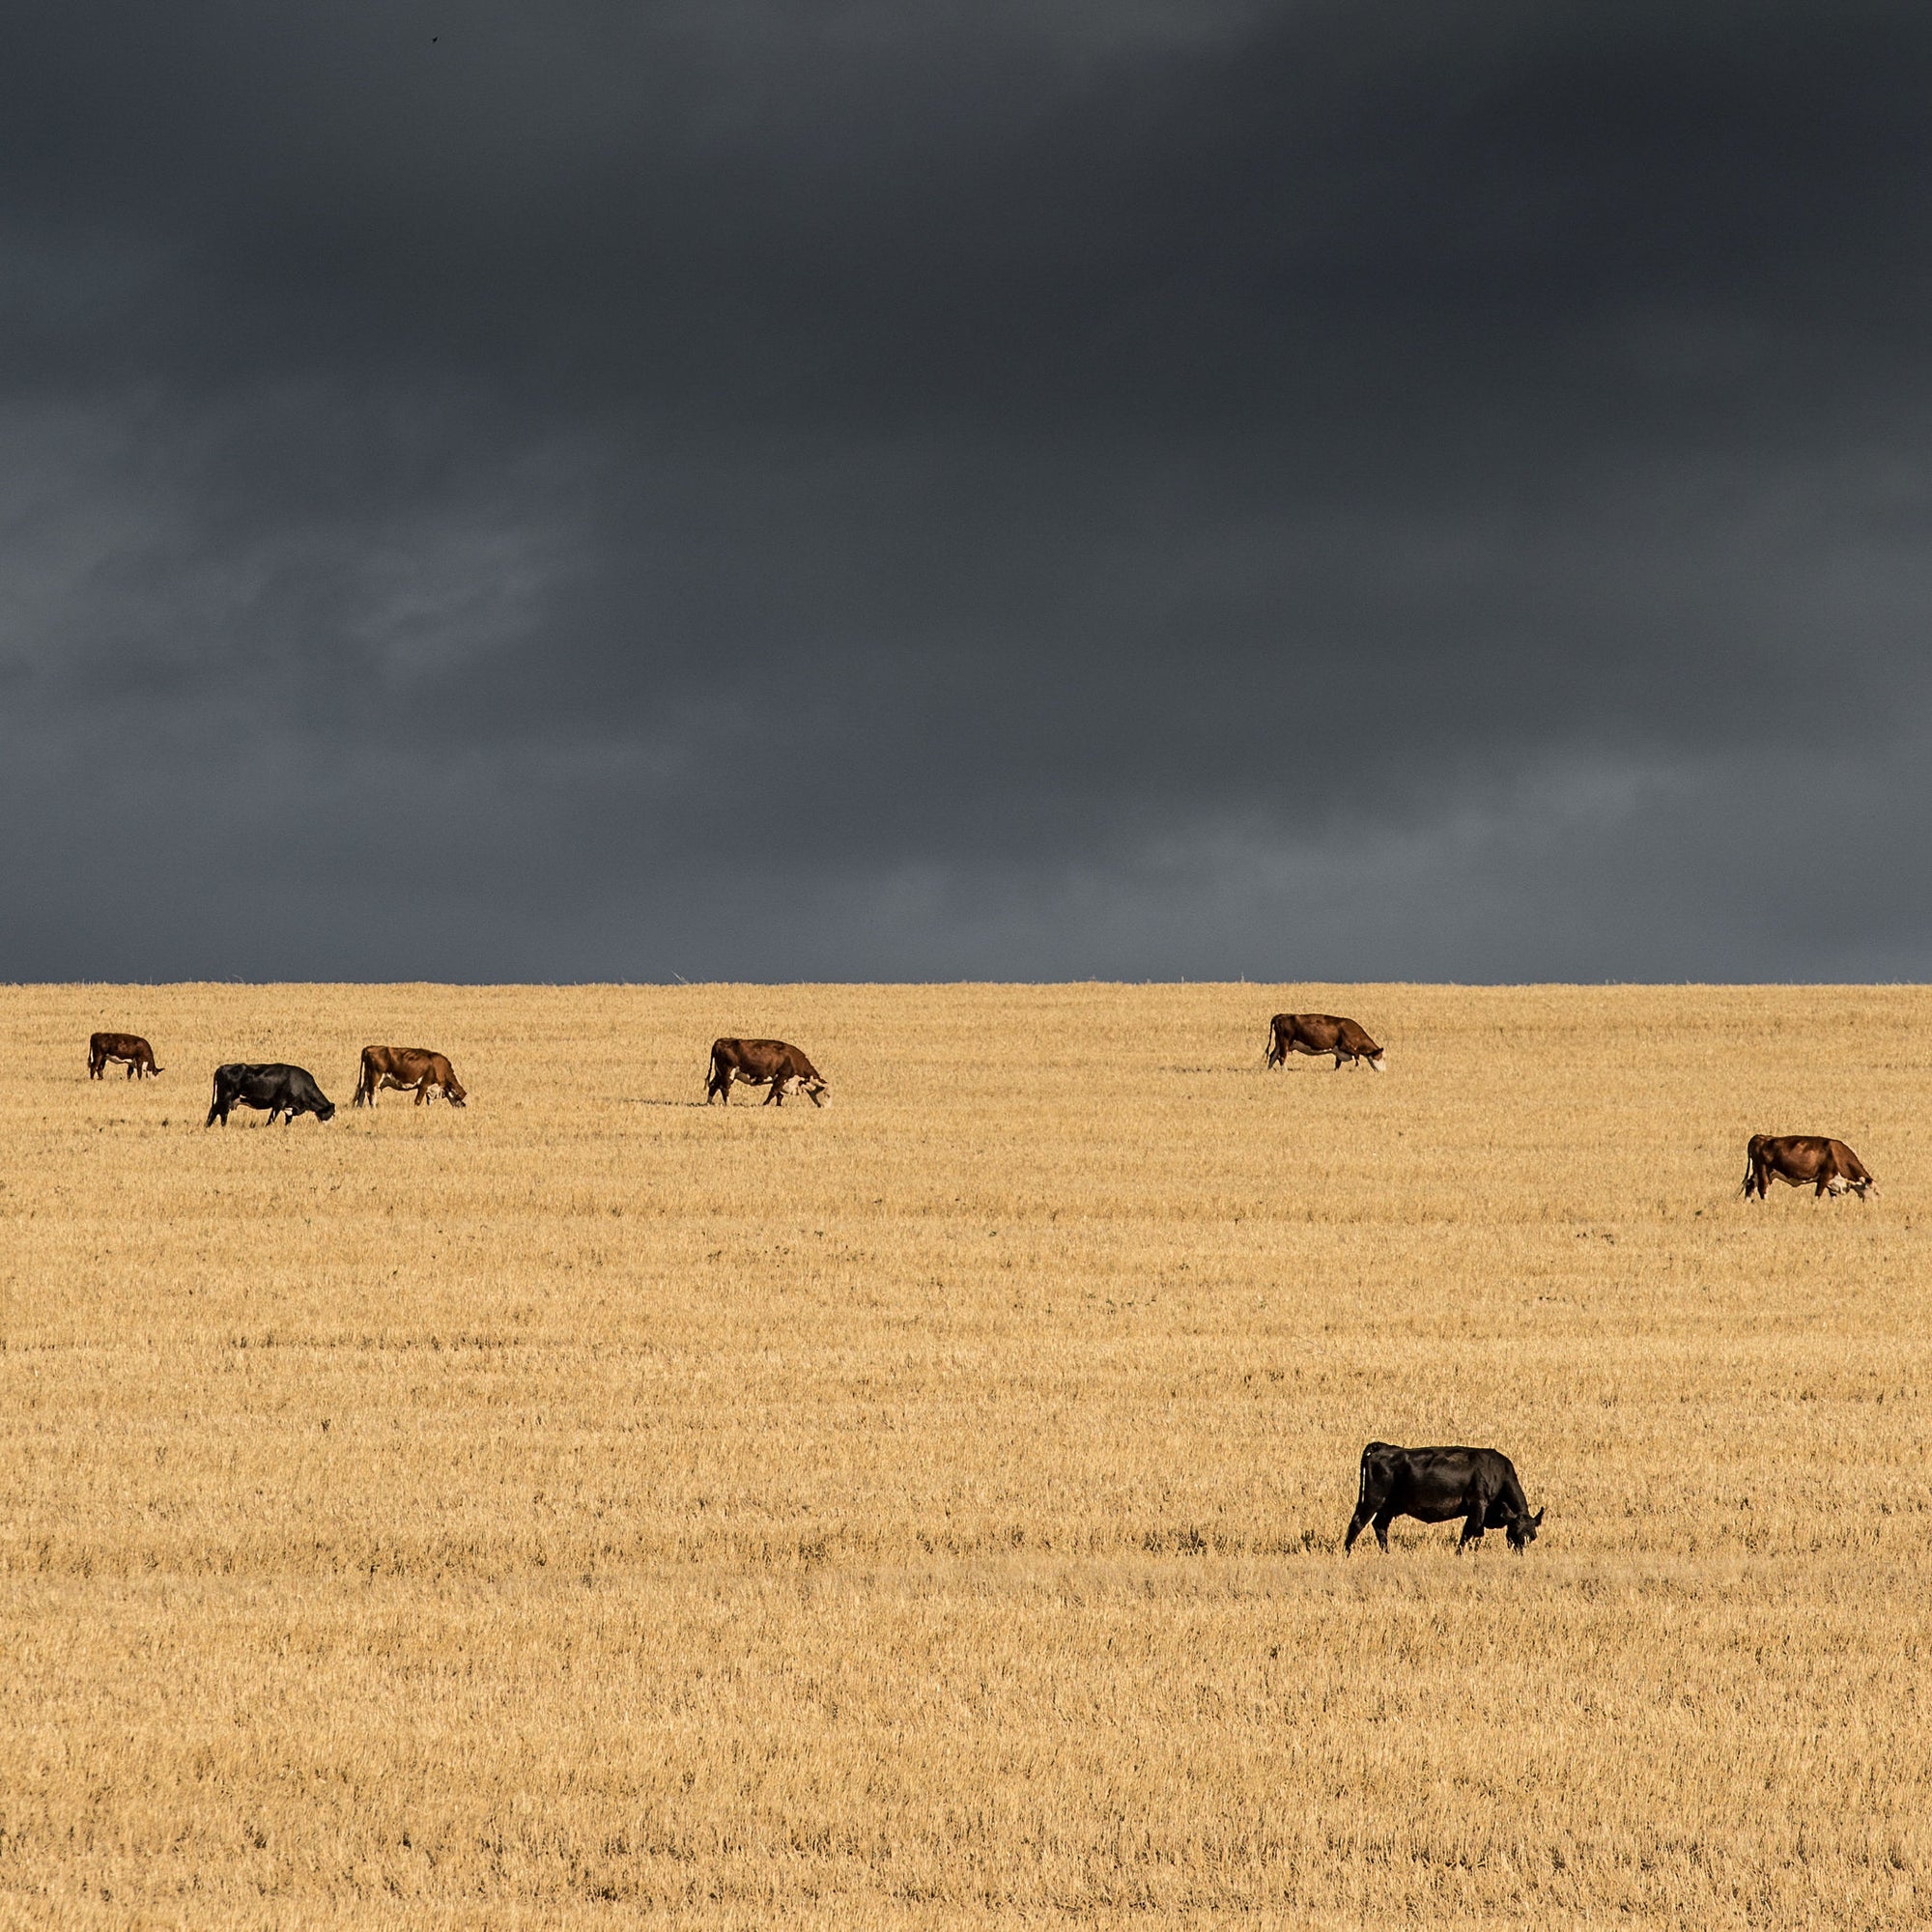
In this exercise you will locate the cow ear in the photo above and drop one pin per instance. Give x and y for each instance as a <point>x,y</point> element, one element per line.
<point>1536,1520</point>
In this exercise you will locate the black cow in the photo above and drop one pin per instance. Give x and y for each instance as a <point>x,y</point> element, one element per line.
<point>288,1090</point>
<point>1439,1485</point>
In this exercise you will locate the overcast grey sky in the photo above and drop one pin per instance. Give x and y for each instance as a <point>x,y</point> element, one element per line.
<point>1398,489</point>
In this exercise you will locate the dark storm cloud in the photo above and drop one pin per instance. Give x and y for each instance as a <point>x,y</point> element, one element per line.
<point>1151,489</point>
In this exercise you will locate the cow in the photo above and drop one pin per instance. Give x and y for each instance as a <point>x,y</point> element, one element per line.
<point>407,1067</point>
<point>101,1047</point>
<point>1801,1160</point>
<point>283,1089</point>
<point>1318,1034</point>
<point>1438,1485</point>
<point>760,1062</point>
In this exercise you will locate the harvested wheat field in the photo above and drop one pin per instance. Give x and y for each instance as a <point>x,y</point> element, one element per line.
<point>928,1510</point>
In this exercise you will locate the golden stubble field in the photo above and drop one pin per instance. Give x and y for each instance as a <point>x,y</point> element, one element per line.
<point>925,1511</point>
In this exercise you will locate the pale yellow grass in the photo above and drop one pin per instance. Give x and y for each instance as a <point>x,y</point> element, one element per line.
<point>927,1510</point>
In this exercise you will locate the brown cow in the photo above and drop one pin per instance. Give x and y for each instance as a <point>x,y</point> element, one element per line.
<point>1801,1160</point>
<point>1320,1033</point>
<point>403,1068</point>
<point>101,1047</point>
<point>760,1062</point>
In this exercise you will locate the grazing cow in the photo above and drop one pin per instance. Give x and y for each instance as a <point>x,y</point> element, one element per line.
<point>101,1047</point>
<point>1802,1159</point>
<point>283,1089</point>
<point>760,1062</point>
<point>1439,1485</point>
<point>405,1067</point>
<point>1318,1034</point>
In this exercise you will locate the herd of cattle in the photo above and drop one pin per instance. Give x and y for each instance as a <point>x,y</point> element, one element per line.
<point>285,1091</point>
<point>1435,1485</point>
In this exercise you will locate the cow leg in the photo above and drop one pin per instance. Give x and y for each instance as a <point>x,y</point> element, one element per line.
<point>1357,1523</point>
<point>1383,1517</point>
<point>422,1087</point>
<point>1472,1524</point>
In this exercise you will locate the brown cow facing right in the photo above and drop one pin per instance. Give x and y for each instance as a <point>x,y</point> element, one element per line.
<point>759,1062</point>
<point>403,1068</point>
<point>1318,1034</point>
<point>1802,1159</point>
<point>101,1047</point>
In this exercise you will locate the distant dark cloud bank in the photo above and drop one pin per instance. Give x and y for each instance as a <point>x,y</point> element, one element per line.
<point>1143,490</point>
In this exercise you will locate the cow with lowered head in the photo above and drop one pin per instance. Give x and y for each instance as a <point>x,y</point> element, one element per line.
<point>287,1091</point>
<point>407,1068</point>
<point>1318,1034</point>
<point>1439,1485</point>
<point>1805,1160</point>
<point>761,1063</point>
<point>120,1047</point>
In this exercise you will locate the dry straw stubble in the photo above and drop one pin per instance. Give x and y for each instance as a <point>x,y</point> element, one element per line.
<point>930,1508</point>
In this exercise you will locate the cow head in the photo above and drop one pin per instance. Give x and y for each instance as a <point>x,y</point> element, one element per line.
<point>1376,1057</point>
<point>1523,1531</point>
<point>327,1111</point>
<point>454,1091</point>
<point>815,1090</point>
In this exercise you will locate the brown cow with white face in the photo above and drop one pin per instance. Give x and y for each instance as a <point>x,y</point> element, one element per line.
<point>101,1047</point>
<point>1805,1160</point>
<point>1318,1034</point>
<point>407,1067</point>
<point>760,1062</point>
